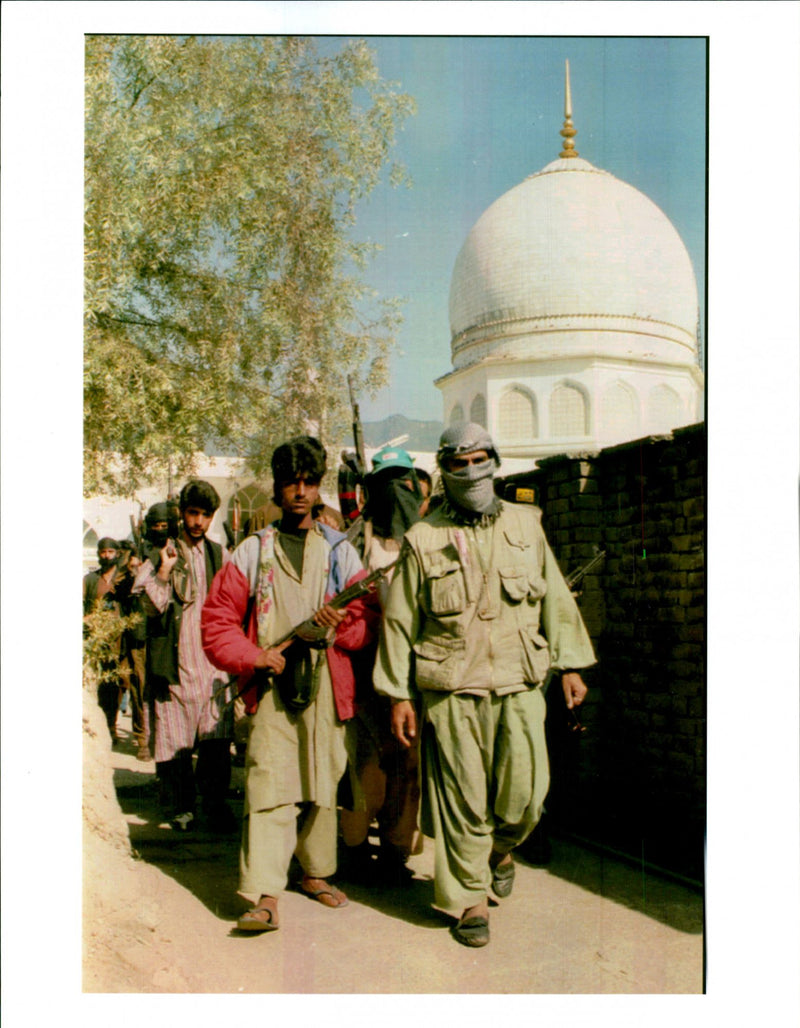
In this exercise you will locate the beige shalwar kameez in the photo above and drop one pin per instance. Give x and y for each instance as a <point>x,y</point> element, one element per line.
<point>294,761</point>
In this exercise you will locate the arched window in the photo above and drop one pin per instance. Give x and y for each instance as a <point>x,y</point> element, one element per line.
<point>251,498</point>
<point>90,539</point>
<point>568,412</point>
<point>517,417</point>
<point>619,413</point>
<point>457,415</point>
<point>477,410</point>
<point>665,411</point>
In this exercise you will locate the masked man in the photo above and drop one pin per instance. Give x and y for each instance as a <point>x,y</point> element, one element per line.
<point>477,615</point>
<point>160,524</point>
<point>134,649</point>
<point>100,591</point>
<point>386,772</point>
<point>190,699</point>
<point>302,695</point>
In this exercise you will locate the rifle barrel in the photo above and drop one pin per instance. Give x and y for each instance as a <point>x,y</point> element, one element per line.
<point>581,572</point>
<point>137,537</point>
<point>358,434</point>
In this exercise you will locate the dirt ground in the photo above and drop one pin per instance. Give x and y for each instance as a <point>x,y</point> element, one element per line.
<point>160,908</point>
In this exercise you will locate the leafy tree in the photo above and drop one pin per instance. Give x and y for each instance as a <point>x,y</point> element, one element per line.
<point>223,299</point>
<point>102,633</point>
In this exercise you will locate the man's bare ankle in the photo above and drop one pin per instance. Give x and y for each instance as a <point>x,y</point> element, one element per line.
<point>497,858</point>
<point>477,910</point>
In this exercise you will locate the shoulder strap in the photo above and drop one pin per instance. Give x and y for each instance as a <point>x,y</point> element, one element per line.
<point>264,579</point>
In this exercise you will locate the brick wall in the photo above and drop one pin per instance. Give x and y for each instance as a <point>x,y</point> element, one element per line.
<point>635,779</point>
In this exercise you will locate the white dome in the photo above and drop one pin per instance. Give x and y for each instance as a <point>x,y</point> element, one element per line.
<point>572,261</point>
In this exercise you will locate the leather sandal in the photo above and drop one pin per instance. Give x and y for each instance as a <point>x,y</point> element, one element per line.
<point>472,931</point>
<point>259,919</point>
<point>328,895</point>
<point>503,879</point>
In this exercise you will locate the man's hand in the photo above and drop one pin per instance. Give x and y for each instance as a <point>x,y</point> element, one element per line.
<point>574,689</point>
<point>329,616</point>
<point>328,519</point>
<point>404,722</point>
<point>169,556</point>
<point>271,659</point>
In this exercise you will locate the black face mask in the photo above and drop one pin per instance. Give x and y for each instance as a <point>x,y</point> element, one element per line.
<point>392,507</point>
<point>158,539</point>
<point>160,512</point>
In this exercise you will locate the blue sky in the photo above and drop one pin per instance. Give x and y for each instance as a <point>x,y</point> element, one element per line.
<point>489,114</point>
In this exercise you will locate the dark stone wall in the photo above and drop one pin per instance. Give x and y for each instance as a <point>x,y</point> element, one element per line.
<point>635,780</point>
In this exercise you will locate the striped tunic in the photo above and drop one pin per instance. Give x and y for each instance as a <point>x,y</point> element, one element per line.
<point>200,705</point>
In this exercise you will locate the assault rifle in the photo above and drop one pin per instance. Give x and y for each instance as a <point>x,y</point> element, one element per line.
<point>580,573</point>
<point>317,635</point>
<point>297,695</point>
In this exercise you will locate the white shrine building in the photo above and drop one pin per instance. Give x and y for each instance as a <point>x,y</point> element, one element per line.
<point>573,316</point>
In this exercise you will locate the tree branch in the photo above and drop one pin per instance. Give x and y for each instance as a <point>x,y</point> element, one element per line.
<point>140,90</point>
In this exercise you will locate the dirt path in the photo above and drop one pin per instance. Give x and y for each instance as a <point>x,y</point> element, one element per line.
<point>165,923</point>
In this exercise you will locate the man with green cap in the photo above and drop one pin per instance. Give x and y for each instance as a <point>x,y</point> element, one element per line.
<point>478,614</point>
<point>383,773</point>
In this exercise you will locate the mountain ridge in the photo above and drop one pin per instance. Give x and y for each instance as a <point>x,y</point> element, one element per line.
<point>422,435</point>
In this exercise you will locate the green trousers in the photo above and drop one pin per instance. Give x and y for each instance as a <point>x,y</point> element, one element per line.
<point>270,837</point>
<point>486,776</point>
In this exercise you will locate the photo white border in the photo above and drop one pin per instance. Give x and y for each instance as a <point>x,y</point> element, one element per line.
<point>752,889</point>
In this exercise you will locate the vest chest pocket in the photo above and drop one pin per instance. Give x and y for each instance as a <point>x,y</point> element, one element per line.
<point>438,665</point>
<point>514,581</point>
<point>526,562</point>
<point>536,587</point>
<point>535,656</point>
<point>448,594</point>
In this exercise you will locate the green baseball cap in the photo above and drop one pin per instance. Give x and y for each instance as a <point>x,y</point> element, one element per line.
<point>391,457</point>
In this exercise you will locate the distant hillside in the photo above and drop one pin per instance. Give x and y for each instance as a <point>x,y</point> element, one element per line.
<point>422,435</point>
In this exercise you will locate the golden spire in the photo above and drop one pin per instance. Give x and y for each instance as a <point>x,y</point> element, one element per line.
<point>568,131</point>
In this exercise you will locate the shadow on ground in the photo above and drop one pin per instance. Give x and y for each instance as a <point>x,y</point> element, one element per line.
<point>412,902</point>
<point>640,889</point>
<point>207,865</point>
<point>204,863</point>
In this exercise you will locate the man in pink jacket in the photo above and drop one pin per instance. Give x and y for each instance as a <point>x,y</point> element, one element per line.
<point>303,695</point>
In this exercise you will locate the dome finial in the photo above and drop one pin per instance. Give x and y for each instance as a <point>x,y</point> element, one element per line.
<point>568,131</point>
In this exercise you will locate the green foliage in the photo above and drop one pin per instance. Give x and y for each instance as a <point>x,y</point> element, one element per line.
<point>223,303</point>
<point>102,632</point>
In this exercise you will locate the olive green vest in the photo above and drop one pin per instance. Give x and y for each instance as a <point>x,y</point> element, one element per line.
<point>481,603</point>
